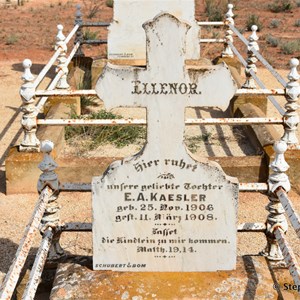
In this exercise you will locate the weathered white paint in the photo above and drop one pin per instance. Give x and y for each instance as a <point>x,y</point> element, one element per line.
<point>292,95</point>
<point>252,60</point>
<point>227,52</point>
<point>62,59</point>
<point>128,122</point>
<point>48,167</point>
<point>126,37</point>
<point>149,198</point>
<point>11,279</point>
<point>30,142</point>
<point>276,219</point>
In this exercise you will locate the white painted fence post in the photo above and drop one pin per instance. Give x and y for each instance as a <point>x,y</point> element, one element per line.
<point>30,142</point>
<point>227,52</point>
<point>79,34</point>
<point>251,60</point>
<point>291,117</point>
<point>62,59</point>
<point>51,216</point>
<point>276,217</point>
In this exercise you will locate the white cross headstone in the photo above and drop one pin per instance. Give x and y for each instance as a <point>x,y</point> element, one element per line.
<point>161,210</point>
<point>126,37</point>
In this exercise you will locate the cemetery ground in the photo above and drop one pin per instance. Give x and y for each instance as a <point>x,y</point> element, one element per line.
<point>23,35</point>
<point>17,209</point>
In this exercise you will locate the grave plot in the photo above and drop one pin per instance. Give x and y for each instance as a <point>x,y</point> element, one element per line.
<point>124,48</point>
<point>208,140</point>
<point>203,140</point>
<point>162,210</point>
<point>220,143</point>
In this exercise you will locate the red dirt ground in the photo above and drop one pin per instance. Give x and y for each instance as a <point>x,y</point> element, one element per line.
<point>29,31</point>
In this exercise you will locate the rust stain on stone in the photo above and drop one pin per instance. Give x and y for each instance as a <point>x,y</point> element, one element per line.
<point>195,73</point>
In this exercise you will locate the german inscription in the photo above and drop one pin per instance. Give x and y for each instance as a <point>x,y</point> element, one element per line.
<point>161,210</point>
<point>164,88</point>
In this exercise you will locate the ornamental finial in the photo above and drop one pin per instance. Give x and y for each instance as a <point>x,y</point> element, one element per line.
<point>60,36</point>
<point>229,13</point>
<point>27,75</point>
<point>293,75</point>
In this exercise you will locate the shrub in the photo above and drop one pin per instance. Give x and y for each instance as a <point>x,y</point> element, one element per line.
<point>86,101</point>
<point>119,136</point>
<point>253,20</point>
<point>110,3</point>
<point>215,9</point>
<point>297,23</point>
<point>280,6</point>
<point>275,23</point>
<point>90,35</point>
<point>290,47</point>
<point>12,39</point>
<point>271,40</point>
<point>92,7</point>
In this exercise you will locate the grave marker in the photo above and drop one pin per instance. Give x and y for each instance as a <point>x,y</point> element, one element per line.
<point>161,210</point>
<point>126,37</point>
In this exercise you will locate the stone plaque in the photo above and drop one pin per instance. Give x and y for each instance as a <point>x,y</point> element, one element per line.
<point>126,37</point>
<point>161,210</point>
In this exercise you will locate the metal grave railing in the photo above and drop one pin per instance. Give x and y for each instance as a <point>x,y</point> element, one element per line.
<point>45,215</point>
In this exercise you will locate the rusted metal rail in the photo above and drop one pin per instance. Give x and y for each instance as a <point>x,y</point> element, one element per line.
<point>262,91</point>
<point>212,40</point>
<point>252,227</point>
<point>74,93</point>
<point>38,266</point>
<point>255,186</point>
<point>70,186</point>
<point>11,278</point>
<point>93,42</point>
<point>234,121</point>
<point>289,256</point>
<point>130,122</point>
<point>285,248</point>
<point>95,24</point>
<point>62,93</point>
<point>77,226</point>
<point>259,57</point>
<point>86,187</point>
<point>55,80</point>
<point>52,60</point>
<point>259,82</point>
<point>269,67</point>
<point>211,23</point>
<point>47,67</point>
<point>87,227</point>
<point>71,34</point>
<point>289,209</point>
